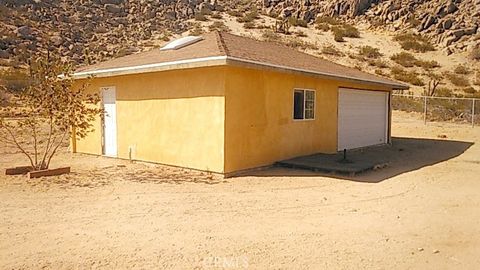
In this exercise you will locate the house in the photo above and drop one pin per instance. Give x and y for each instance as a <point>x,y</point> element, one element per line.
<point>225,103</point>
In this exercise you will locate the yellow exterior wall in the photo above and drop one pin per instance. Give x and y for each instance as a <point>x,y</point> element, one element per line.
<point>259,125</point>
<point>170,117</point>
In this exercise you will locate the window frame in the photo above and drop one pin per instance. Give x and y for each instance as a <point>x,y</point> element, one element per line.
<point>304,103</point>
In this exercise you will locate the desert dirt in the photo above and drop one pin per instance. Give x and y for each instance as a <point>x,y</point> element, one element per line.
<point>422,212</point>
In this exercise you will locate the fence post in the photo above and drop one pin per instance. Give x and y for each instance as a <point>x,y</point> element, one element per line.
<point>473,112</point>
<point>424,110</point>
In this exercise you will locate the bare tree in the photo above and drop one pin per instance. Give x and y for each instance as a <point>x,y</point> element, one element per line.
<point>51,109</point>
<point>433,83</point>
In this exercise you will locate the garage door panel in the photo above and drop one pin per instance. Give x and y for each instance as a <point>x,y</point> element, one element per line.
<point>362,118</point>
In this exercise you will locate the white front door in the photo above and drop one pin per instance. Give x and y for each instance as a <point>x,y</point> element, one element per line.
<point>110,121</point>
<point>362,118</point>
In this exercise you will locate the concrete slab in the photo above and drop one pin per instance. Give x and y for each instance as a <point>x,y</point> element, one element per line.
<point>357,161</point>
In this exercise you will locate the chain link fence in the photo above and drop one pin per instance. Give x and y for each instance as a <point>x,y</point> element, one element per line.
<point>438,109</point>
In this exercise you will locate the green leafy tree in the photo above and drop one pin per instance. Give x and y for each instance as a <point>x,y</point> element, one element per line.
<point>51,110</point>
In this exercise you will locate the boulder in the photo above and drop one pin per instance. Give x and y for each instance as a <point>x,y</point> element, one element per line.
<point>112,8</point>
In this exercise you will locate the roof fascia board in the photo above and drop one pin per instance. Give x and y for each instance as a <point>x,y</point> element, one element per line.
<point>188,63</point>
<point>215,61</point>
<point>232,60</point>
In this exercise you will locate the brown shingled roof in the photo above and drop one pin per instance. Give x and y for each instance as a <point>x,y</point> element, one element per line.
<point>241,49</point>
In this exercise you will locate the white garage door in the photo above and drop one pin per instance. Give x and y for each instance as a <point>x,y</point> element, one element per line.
<point>362,118</point>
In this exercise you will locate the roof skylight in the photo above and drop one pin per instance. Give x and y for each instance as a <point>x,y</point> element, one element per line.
<point>181,42</point>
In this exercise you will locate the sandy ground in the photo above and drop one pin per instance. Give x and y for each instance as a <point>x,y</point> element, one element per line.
<point>422,211</point>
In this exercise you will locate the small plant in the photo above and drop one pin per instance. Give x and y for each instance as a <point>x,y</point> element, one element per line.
<point>378,63</point>
<point>414,42</point>
<point>217,16</point>
<point>249,25</point>
<point>52,109</point>
<point>297,22</point>
<point>270,35</point>
<point>300,34</point>
<point>200,17</point>
<point>427,65</point>
<point>444,92</point>
<point>380,72</point>
<point>196,30</point>
<point>218,26</point>
<point>404,59</point>
<point>323,27</point>
<point>406,76</point>
<point>234,13</point>
<point>369,52</point>
<point>249,16</point>
<point>461,70</point>
<point>337,34</point>
<point>331,50</point>
<point>476,81</point>
<point>469,90</point>
<point>327,20</point>
<point>14,80</point>
<point>206,11</point>
<point>457,80</point>
<point>343,31</point>
<point>475,54</point>
<point>350,31</point>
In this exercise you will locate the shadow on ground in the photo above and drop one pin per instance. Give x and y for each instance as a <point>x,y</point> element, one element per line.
<point>404,155</point>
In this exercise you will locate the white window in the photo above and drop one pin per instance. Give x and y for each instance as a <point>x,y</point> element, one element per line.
<point>303,104</point>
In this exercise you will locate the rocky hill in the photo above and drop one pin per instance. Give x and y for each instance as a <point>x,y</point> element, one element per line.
<point>88,31</point>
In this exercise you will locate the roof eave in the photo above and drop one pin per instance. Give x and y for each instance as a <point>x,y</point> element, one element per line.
<point>393,86</point>
<point>220,60</point>
<point>179,64</point>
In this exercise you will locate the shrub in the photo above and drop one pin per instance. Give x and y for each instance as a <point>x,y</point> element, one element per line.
<point>405,59</point>
<point>270,35</point>
<point>378,63</point>
<point>299,44</point>
<point>234,13</point>
<point>301,34</point>
<point>469,90</point>
<point>216,16</point>
<point>444,92</point>
<point>200,17</point>
<point>414,42</point>
<point>196,30</point>
<point>379,72</point>
<point>369,52</point>
<point>406,76</point>
<point>14,80</point>
<point>249,16</point>
<point>331,50</point>
<point>205,11</point>
<point>427,64</point>
<point>457,80</point>
<point>337,34</point>
<point>350,31</point>
<point>476,81</point>
<point>249,25</point>
<point>323,27</point>
<point>475,54</point>
<point>327,20</point>
<point>297,22</point>
<point>462,70</point>
<point>219,26</point>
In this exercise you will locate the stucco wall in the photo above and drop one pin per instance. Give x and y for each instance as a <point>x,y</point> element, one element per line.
<point>259,125</point>
<point>169,117</point>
